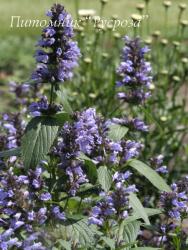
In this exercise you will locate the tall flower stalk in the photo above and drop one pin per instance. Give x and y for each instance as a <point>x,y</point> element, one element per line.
<point>134,73</point>
<point>58,53</point>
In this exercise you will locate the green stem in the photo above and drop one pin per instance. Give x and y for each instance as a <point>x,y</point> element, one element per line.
<point>166,21</point>
<point>179,19</point>
<point>77,7</point>
<point>148,21</point>
<point>51,94</point>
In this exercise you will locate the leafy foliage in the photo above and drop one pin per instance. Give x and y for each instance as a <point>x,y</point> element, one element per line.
<point>38,139</point>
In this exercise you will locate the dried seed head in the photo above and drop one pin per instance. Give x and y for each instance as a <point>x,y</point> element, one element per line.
<point>86,12</point>
<point>176,44</point>
<point>182,6</point>
<point>87,60</point>
<point>176,78</point>
<point>184,23</point>
<point>105,55</point>
<point>164,72</point>
<point>167,4</point>
<point>136,17</point>
<point>115,17</point>
<point>109,27</point>
<point>148,41</point>
<point>184,60</point>
<point>164,42</point>
<point>117,35</point>
<point>104,2</point>
<point>156,34</point>
<point>140,6</point>
<point>163,118</point>
<point>152,86</point>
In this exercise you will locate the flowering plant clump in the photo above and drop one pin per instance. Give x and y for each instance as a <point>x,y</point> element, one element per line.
<point>70,179</point>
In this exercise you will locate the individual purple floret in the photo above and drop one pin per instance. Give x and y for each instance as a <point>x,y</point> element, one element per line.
<point>58,55</point>
<point>134,72</point>
<point>157,163</point>
<point>131,149</point>
<point>45,196</point>
<point>76,177</point>
<point>134,124</point>
<point>58,214</point>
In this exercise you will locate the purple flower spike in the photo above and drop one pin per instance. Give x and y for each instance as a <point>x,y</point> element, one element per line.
<point>134,73</point>
<point>59,54</point>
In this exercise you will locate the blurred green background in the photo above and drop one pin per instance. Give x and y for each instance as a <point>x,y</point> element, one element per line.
<point>35,9</point>
<point>17,45</point>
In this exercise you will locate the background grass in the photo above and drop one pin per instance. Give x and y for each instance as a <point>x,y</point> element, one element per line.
<point>35,9</point>
<point>17,45</point>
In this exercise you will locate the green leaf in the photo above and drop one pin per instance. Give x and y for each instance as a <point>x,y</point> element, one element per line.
<point>64,101</point>
<point>10,152</point>
<point>137,216</point>
<point>89,167</point>
<point>65,244</point>
<point>117,132</point>
<point>38,139</point>
<point>138,207</point>
<point>146,248</point>
<point>128,233</point>
<point>104,178</point>
<point>79,232</point>
<point>61,117</point>
<point>109,242</point>
<point>150,174</point>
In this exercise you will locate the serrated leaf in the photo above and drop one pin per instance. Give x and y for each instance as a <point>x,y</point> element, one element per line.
<point>138,207</point>
<point>149,212</point>
<point>128,233</point>
<point>65,244</point>
<point>89,167</point>
<point>80,233</point>
<point>37,140</point>
<point>104,178</point>
<point>109,242</point>
<point>117,132</point>
<point>64,101</point>
<point>10,152</point>
<point>146,248</point>
<point>150,174</point>
<point>61,117</point>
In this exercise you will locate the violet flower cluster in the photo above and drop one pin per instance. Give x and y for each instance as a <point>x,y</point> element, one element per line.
<point>12,127</point>
<point>88,134</point>
<point>134,72</point>
<point>23,208</point>
<point>58,54</point>
<point>175,203</point>
<point>134,124</point>
<point>21,92</point>
<point>113,205</point>
<point>43,107</point>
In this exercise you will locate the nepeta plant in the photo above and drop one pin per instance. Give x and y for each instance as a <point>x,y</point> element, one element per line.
<point>70,185</point>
